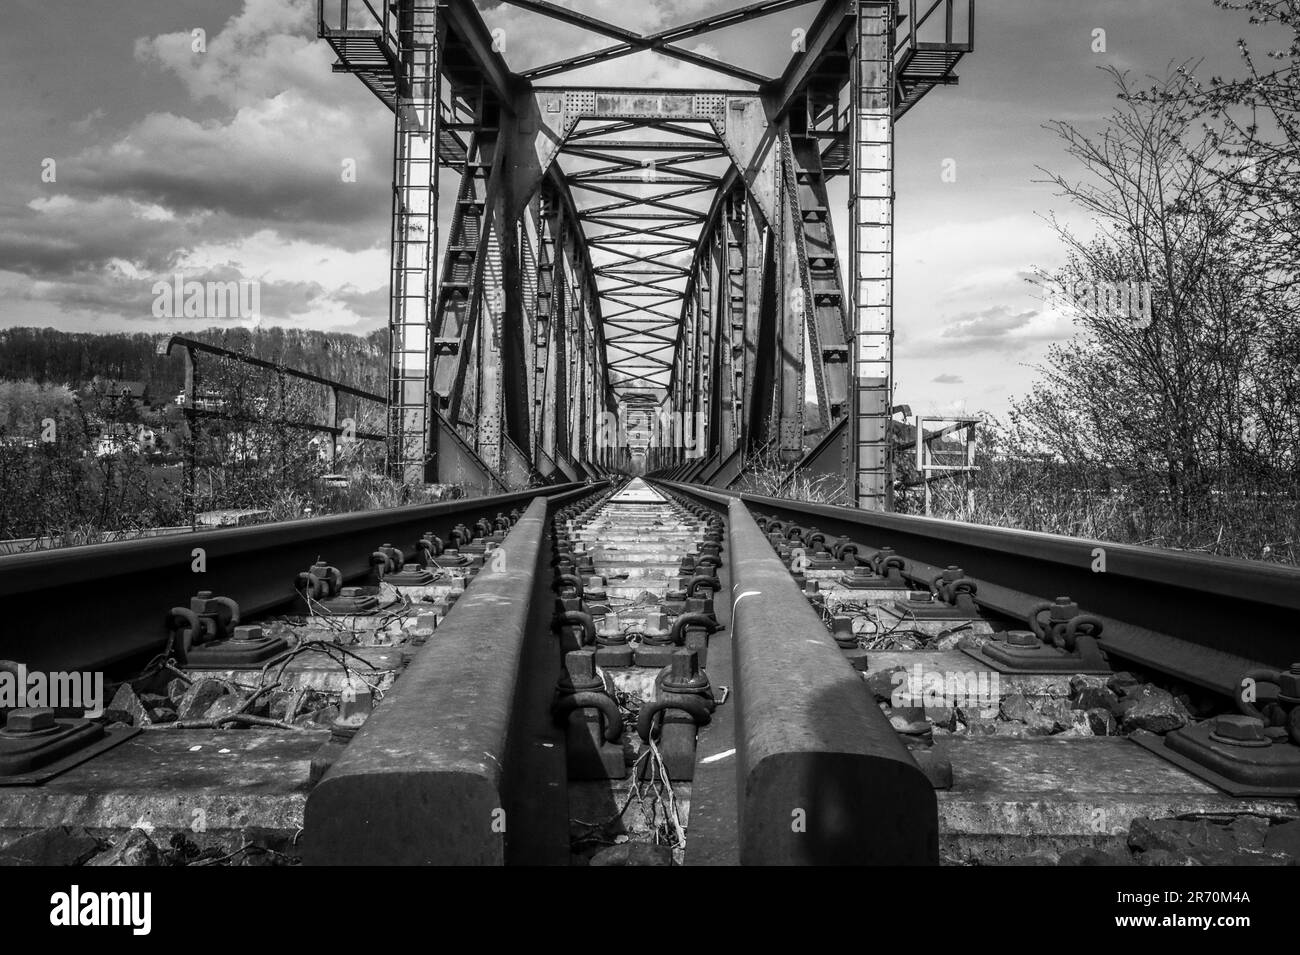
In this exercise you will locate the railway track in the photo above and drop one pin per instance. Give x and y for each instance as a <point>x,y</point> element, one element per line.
<point>647,673</point>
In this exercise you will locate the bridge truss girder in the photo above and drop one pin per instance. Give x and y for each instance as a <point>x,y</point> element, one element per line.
<point>581,274</point>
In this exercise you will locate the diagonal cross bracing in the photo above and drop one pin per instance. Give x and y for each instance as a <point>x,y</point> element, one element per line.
<point>682,224</point>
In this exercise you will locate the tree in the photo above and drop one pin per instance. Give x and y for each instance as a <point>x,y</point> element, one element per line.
<point>1253,123</point>
<point>1174,388</point>
<point>1185,399</point>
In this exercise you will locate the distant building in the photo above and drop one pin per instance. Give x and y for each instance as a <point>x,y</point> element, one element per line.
<point>121,388</point>
<point>117,439</point>
<point>203,401</point>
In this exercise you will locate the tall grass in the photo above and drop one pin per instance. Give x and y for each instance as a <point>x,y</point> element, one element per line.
<point>1251,519</point>
<point>766,474</point>
<point>1245,515</point>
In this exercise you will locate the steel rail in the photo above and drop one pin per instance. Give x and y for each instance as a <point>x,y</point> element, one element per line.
<point>435,776</point>
<point>84,608</point>
<point>1203,619</point>
<point>822,778</point>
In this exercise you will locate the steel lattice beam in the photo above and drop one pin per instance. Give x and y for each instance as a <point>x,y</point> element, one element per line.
<point>675,244</point>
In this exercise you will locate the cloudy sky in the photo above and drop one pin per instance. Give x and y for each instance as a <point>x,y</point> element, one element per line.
<point>226,163</point>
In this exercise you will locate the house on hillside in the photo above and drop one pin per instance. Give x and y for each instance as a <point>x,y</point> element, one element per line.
<point>120,389</point>
<point>208,400</point>
<point>115,439</point>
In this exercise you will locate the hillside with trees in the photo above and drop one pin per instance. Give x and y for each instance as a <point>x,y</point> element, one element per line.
<point>73,359</point>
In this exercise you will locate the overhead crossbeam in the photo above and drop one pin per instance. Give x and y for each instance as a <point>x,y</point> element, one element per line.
<point>660,42</point>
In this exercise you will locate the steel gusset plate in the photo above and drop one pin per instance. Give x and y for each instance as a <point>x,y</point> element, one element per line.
<point>1272,770</point>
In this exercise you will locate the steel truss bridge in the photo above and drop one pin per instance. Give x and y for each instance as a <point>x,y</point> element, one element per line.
<point>643,256</point>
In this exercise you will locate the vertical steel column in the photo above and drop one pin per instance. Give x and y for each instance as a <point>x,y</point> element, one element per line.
<point>584,382</point>
<point>733,386</point>
<point>753,403</point>
<point>596,404</point>
<point>792,307</point>
<point>500,305</point>
<point>871,263</point>
<point>547,251</point>
<point>764,316</point>
<point>414,241</point>
<point>572,381</point>
<point>719,366</point>
<point>332,413</point>
<point>705,397</point>
<point>192,425</point>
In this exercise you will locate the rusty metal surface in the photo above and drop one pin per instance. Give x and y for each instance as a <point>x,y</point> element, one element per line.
<point>425,781</point>
<point>823,777</point>
<point>87,607</point>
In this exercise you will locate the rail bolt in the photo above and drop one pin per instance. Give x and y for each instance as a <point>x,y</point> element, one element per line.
<point>610,631</point>
<point>594,596</point>
<point>1240,730</point>
<point>580,672</point>
<point>683,702</point>
<point>656,631</point>
<point>576,630</point>
<point>940,584</point>
<point>684,675</point>
<point>592,719</point>
<point>842,631</point>
<point>1063,608</point>
<point>1063,626</point>
<point>847,641</point>
<point>30,719</point>
<point>425,625</point>
<point>1289,685</point>
<point>247,633</point>
<point>430,545</point>
<point>692,631</point>
<point>322,581</point>
<point>1022,638</point>
<point>216,616</point>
